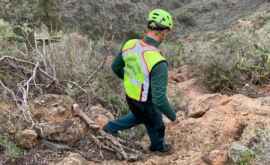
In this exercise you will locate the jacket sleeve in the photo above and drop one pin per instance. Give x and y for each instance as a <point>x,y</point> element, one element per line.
<point>118,66</point>
<point>159,82</point>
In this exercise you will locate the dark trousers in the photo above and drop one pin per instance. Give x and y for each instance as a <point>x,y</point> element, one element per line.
<point>141,113</point>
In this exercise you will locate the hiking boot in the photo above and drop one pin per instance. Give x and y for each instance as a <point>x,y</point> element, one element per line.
<point>165,149</point>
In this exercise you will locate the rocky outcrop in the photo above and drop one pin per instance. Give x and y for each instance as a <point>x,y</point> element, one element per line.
<point>55,120</point>
<point>27,138</point>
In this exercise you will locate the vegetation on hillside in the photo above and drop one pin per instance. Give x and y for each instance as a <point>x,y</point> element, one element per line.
<point>235,59</point>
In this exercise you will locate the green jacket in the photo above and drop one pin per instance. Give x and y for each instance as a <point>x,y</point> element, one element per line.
<point>158,85</point>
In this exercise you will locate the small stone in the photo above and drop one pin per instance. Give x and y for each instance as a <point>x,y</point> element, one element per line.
<point>27,138</point>
<point>216,157</point>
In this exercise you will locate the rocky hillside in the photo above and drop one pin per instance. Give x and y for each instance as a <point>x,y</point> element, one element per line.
<point>194,15</point>
<point>121,17</point>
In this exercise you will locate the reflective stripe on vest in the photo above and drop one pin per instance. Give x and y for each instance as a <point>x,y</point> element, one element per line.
<point>139,59</point>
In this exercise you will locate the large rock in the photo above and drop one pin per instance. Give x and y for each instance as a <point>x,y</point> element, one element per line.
<point>202,104</point>
<point>27,138</point>
<point>55,120</point>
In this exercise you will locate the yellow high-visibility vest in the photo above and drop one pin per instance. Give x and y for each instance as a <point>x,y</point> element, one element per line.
<point>139,58</point>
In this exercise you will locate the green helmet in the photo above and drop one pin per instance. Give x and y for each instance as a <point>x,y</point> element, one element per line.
<point>160,19</point>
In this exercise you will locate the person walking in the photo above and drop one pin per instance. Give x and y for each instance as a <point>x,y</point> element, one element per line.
<point>144,72</point>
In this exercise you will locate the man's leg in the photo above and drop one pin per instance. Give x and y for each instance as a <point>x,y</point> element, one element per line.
<point>122,123</point>
<point>155,129</point>
<point>152,119</point>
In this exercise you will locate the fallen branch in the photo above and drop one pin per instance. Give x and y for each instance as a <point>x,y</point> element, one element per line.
<point>107,141</point>
<point>77,111</point>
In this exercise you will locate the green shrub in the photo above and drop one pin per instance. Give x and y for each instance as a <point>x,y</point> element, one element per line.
<point>262,147</point>
<point>240,154</point>
<point>228,61</point>
<point>173,52</point>
<point>11,150</point>
<point>6,31</point>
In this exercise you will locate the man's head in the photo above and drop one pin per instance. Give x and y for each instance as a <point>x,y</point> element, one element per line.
<point>160,22</point>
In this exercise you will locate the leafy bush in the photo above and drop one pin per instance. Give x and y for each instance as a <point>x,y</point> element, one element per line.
<point>6,31</point>
<point>173,52</point>
<point>236,64</point>
<point>240,154</point>
<point>230,60</point>
<point>262,147</point>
